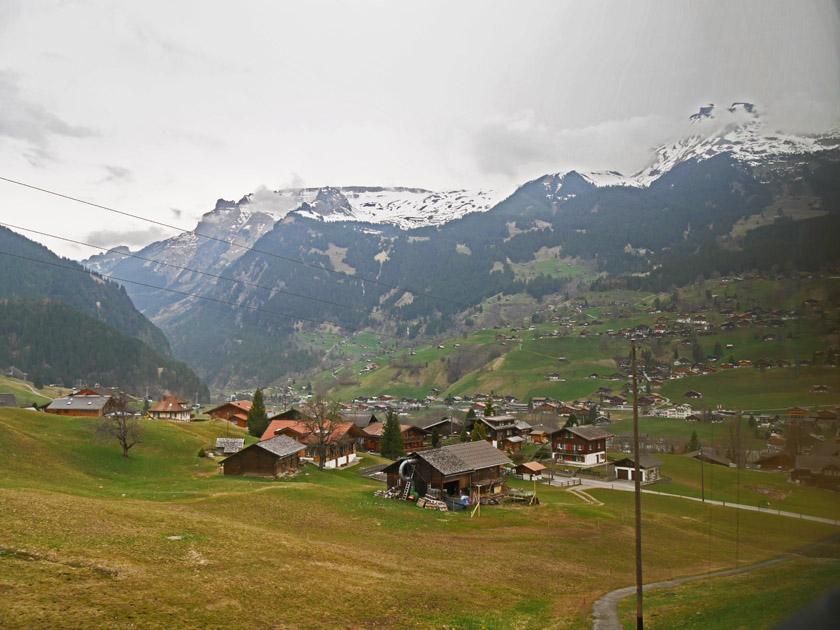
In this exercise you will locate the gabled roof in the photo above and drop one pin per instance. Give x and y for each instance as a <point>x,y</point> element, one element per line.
<point>290,414</point>
<point>80,402</point>
<point>281,445</point>
<point>816,463</point>
<point>464,457</point>
<point>645,461</point>
<point>170,404</point>
<point>230,445</point>
<point>374,429</point>
<point>588,432</point>
<point>244,405</point>
<point>337,430</point>
<point>533,467</point>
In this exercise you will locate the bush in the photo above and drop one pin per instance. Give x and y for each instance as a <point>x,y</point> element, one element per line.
<point>202,453</point>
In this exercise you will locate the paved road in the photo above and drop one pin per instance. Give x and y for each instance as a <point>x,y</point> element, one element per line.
<point>628,486</point>
<point>605,609</point>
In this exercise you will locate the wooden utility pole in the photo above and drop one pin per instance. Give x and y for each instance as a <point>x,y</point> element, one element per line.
<point>637,483</point>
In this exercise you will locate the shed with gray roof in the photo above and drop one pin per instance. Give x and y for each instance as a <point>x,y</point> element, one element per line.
<point>274,457</point>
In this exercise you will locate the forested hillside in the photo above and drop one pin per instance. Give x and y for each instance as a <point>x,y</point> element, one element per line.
<point>52,341</point>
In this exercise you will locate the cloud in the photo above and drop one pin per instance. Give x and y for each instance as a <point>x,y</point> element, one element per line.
<point>118,174</point>
<point>31,122</point>
<point>132,238</point>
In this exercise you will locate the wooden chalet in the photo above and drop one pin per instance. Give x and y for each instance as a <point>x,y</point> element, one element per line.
<point>648,468</point>
<point>468,468</point>
<point>504,432</point>
<point>85,405</point>
<point>822,471</point>
<point>273,458</point>
<point>780,460</point>
<point>412,437</point>
<point>581,446</point>
<point>235,412</point>
<point>340,447</point>
<point>171,408</point>
<point>444,426</point>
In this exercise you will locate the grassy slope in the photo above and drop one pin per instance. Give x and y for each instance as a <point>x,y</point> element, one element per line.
<point>318,551</point>
<point>24,395</point>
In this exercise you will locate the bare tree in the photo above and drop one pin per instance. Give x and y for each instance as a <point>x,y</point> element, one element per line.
<point>120,424</point>
<point>320,417</point>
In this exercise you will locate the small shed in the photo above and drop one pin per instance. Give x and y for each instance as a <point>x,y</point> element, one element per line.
<point>530,471</point>
<point>648,467</point>
<point>273,458</point>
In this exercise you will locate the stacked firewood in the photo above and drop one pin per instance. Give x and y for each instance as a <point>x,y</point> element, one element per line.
<point>390,493</point>
<point>429,503</point>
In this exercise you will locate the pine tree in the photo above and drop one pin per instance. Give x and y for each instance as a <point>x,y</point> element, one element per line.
<point>464,437</point>
<point>393,446</point>
<point>572,421</point>
<point>257,416</point>
<point>478,433</point>
<point>693,443</point>
<point>435,437</point>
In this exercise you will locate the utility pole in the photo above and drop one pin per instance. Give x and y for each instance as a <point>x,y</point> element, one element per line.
<point>637,483</point>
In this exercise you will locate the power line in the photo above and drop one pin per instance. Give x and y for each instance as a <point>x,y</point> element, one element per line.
<point>201,297</point>
<point>233,244</point>
<point>205,273</point>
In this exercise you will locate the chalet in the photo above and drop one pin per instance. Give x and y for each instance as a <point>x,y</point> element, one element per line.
<point>412,437</point>
<point>273,458</point>
<point>648,468</point>
<point>602,421</point>
<point>822,471</point>
<point>530,471</point>
<point>92,406</point>
<point>171,408</point>
<point>582,446</point>
<point>798,413</point>
<point>819,389</point>
<point>504,432</point>
<point>235,412</point>
<point>229,446</point>
<point>291,414</point>
<point>340,442</point>
<point>779,460</point>
<point>468,468</point>
<point>444,426</point>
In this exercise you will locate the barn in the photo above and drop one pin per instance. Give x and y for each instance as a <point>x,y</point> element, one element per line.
<point>648,468</point>
<point>273,458</point>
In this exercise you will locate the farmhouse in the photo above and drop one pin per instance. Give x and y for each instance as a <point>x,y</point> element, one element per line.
<point>648,468</point>
<point>171,408</point>
<point>822,471</point>
<point>468,468</point>
<point>582,446</point>
<point>340,441</point>
<point>274,458</point>
<point>92,406</point>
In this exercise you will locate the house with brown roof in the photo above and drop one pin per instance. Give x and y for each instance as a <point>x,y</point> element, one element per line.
<point>85,405</point>
<point>822,471</point>
<point>581,446</point>
<point>412,437</point>
<point>235,412</point>
<point>340,446</point>
<point>171,408</point>
<point>275,457</point>
<point>473,469</point>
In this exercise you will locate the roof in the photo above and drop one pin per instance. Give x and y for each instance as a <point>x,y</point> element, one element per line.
<point>84,401</point>
<point>588,432</point>
<point>244,405</point>
<point>464,457</point>
<point>170,404</point>
<point>710,457</point>
<point>374,429</point>
<point>281,445</point>
<point>230,445</point>
<point>513,438</point>
<point>645,461</point>
<point>290,414</point>
<point>337,430</point>
<point>533,467</point>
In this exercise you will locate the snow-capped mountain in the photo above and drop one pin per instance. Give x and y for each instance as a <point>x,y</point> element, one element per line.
<point>738,130</point>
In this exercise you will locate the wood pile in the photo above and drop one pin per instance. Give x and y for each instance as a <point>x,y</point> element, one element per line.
<point>430,503</point>
<point>390,493</point>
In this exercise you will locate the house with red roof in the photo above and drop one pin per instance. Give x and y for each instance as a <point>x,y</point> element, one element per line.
<point>235,412</point>
<point>171,408</point>
<point>340,446</point>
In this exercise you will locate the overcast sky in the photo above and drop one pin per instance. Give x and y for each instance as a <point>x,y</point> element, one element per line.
<point>159,108</point>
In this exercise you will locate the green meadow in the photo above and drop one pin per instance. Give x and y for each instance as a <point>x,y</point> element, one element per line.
<point>161,540</point>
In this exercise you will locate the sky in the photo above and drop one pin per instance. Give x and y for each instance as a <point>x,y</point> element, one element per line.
<point>159,108</point>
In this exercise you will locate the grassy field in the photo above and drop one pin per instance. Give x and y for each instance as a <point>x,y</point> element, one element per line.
<point>24,395</point>
<point>160,540</point>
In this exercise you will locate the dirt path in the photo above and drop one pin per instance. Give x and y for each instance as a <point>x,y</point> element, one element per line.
<point>605,609</point>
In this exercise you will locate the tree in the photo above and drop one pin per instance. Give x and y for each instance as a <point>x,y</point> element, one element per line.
<point>257,416</point>
<point>435,437</point>
<point>572,421</point>
<point>38,380</point>
<point>120,424</point>
<point>146,405</point>
<point>693,443</point>
<point>320,417</point>
<point>392,444</point>
<point>465,436</point>
<point>470,414</point>
<point>489,409</point>
<point>478,433</point>
<point>718,350</point>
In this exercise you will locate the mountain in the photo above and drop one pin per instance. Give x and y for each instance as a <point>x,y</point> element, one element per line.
<point>726,198</point>
<point>63,321</point>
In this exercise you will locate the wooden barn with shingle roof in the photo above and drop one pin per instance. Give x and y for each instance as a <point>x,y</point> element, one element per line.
<point>274,458</point>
